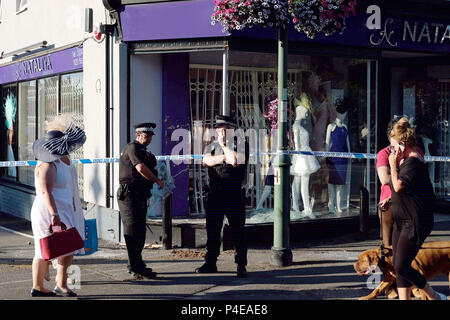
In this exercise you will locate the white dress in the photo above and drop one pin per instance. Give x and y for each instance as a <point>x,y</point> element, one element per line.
<point>68,204</point>
<point>303,164</point>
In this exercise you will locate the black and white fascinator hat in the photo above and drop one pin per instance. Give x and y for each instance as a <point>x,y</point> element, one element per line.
<point>56,144</point>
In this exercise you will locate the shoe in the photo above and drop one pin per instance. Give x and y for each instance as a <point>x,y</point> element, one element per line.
<point>143,274</point>
<point>441,296</point>
<point>146,269</point>
<point>59,292</point>
<point>37,293</point>
<point>207,268</point>
<point>241,272</point>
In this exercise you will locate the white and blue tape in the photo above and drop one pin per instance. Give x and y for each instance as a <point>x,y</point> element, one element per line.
<point>348,155</point>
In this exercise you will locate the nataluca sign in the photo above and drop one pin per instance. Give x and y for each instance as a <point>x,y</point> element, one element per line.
<point>46,65</point>
<point>402,32</point>
<point>34,66</point>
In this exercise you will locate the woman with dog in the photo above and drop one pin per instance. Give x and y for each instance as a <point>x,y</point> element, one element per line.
<point>412,206</point>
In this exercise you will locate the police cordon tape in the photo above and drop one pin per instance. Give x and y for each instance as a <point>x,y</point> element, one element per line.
<point>348,155</point>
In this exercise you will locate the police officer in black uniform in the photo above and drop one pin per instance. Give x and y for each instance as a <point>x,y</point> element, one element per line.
<point>226,197</point>
<point>136,176</point>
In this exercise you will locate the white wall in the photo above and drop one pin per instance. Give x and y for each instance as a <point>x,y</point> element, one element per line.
<point>94,121</point>
<point>146,99</point>
<point>59,22</point>
<point>145,95</point>
<point>119,105</point>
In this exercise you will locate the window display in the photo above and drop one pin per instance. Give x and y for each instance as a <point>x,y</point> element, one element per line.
<point>25,108</point>
<point>323,94</point>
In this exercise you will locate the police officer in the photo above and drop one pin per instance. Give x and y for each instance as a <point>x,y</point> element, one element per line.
<point>227,172</point>
<point>136,176</point>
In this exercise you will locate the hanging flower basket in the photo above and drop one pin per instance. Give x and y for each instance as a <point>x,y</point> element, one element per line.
<point>320,16</point>
<point>238,14</point>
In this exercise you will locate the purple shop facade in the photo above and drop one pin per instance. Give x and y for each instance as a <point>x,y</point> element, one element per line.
<point>191,20</point>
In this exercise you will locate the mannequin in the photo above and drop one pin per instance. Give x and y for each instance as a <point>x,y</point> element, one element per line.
<point>426,144</point>
<point>302,165</point>
<point>337,140</point>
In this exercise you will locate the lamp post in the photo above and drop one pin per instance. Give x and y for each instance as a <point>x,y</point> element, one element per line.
<point>281,252</point>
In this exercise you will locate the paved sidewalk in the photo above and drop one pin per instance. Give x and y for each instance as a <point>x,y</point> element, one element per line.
<point>321,270</point>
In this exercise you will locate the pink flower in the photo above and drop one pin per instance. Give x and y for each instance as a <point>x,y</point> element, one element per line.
<point>338,25</point>
<point>294,20</point>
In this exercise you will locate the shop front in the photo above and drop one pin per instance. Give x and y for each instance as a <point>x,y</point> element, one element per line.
<point>32,91</point>
<point>342,91</point>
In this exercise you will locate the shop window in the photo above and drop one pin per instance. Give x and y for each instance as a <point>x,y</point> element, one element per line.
<point>25,109</point>
<point>47,101</point>
<point>72,103</point>
<point>21,6</point>
<point>9,127</point>
<point>425,99</point>
<point>333,188</point>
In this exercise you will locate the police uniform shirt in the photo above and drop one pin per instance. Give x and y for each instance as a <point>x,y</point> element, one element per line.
<point>134,154</point>
<point>226,179</point>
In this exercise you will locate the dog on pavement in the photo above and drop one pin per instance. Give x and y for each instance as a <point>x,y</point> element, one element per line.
<point>433,259</point>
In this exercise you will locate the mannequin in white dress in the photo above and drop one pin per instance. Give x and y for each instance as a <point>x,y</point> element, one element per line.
<point>302,165</point>
<point>337,140</point>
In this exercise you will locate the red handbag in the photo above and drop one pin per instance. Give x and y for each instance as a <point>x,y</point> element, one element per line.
<point>59,243</point>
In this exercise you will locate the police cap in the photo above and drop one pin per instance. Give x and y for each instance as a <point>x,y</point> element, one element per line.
<point>147,127</point>
<point>222,120</point>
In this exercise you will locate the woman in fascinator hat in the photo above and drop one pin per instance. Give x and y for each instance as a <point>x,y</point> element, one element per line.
<point>57,201</point>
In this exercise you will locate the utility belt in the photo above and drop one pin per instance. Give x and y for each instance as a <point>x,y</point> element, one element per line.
<point>133,191</point>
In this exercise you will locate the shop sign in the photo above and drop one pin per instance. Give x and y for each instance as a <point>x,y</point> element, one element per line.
<point>46,65</point>
<point>398,31</point>
<point>33,66</point>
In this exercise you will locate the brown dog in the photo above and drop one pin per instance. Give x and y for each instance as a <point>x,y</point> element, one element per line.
<point>433,259</point>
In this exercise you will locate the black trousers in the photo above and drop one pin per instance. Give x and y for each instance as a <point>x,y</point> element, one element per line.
<point>405,250</point>
<point>133,212</point>
<point>214,222</point>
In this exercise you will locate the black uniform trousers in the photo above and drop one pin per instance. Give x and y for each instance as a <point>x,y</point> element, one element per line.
<point>133,212</point>
<point>216,211</point>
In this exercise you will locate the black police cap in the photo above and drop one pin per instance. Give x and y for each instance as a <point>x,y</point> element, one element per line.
<point>147,127</point>
<point>222,120</point>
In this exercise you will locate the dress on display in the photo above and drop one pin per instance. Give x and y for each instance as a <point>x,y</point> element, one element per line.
<point>303,164</point>
<point>338,166</point>
<point>65,193</point>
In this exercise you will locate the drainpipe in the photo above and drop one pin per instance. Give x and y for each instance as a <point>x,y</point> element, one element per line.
<point>225,105</point>
<point>113,6</point>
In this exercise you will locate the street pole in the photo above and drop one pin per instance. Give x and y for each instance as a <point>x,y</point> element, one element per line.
<point>281,252</point>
